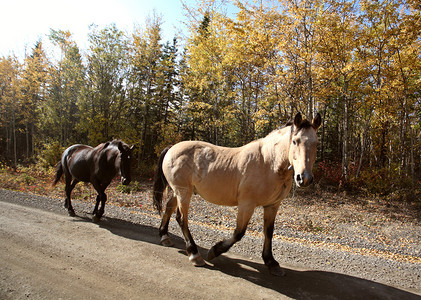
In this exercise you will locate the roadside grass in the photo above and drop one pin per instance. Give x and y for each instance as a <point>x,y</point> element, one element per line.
<point>38,180</point>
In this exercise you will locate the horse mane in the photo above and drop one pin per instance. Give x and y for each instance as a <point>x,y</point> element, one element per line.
<point>304,124</point>
<point>115,143</point>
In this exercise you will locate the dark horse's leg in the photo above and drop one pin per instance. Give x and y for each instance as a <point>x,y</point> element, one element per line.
<point>102,208</point>
<point>69,187</point>
<point>100,188</point>
<point>98,199</point>
<point>183,201</point>
<point>244,214</point>
<point>98,214</point>
<point>269,215</point>
<point>163,228</point>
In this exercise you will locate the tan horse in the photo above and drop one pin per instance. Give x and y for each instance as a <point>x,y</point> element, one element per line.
<point>256,174</point>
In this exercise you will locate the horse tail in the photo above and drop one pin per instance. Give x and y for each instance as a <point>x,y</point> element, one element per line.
<point>59,173</point>
<point>160,181</point>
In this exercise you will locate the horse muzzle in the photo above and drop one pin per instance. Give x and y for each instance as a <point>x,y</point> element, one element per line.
<point>303,179</point>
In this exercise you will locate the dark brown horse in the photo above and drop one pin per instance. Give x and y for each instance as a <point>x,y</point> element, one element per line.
<point>98,166</point>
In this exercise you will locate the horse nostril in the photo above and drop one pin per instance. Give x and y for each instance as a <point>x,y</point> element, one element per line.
<point>299,178</point>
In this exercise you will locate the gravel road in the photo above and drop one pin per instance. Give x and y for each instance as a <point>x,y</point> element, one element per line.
<point>46,254</point>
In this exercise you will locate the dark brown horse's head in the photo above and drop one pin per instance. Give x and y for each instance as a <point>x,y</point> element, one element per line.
<point>125,162</point>
<point>303,148</point>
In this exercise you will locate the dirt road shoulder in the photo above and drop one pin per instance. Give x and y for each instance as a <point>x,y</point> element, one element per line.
<point>48,255</point>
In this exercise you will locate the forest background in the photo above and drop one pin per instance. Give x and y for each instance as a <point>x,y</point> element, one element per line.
<point>231,80</point>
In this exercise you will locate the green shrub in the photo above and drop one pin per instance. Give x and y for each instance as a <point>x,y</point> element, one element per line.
<point>50,155</point>
<point>28,179</point>
<point>134,186</point>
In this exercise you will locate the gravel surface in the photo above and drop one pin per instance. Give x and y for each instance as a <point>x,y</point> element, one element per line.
<point>329,235</point>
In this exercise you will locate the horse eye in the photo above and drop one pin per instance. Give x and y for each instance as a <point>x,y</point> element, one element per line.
<point>294,142</point>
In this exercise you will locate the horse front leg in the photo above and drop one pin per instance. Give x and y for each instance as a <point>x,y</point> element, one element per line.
<point>243,217</point>
<point>101,197</point>
<point>98,214</point>
<point>97,201</point>
<point>163,228</point>
<point>269,215</point>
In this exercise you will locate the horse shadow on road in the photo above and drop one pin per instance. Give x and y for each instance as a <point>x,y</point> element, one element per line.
<point>297,284</point>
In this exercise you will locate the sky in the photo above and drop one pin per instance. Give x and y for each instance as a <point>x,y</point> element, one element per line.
<point>24,22</point>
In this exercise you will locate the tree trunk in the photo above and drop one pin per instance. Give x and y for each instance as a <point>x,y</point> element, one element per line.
<point>322,147</point>
<point>411,131</point>
<point>363,144</point>
<point>345,141</point>
<point>15,156</point>
<point>345,133</point>
<point>27,139</point>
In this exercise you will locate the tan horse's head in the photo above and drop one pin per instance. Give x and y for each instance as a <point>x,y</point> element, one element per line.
<point>303,149</point>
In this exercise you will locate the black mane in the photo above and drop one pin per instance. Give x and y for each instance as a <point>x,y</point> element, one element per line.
<point>304,124</point>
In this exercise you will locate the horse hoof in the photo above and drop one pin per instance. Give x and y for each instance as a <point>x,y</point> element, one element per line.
<point>197,260</point>
<point>277,271</point>
<point>95,219</point>
<point>166,241</point>
<point>72,213</point>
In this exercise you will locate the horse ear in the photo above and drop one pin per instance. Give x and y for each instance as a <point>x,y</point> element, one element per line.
<point>132,147</point>
<point>120,147</point>
<point>298,119</point>
<point>317,121</point>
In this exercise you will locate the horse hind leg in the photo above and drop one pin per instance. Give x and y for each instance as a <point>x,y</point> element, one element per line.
<point>163,228</point>
<point>243,218</point>
<point>69,188</point>
<point>183,202</point>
